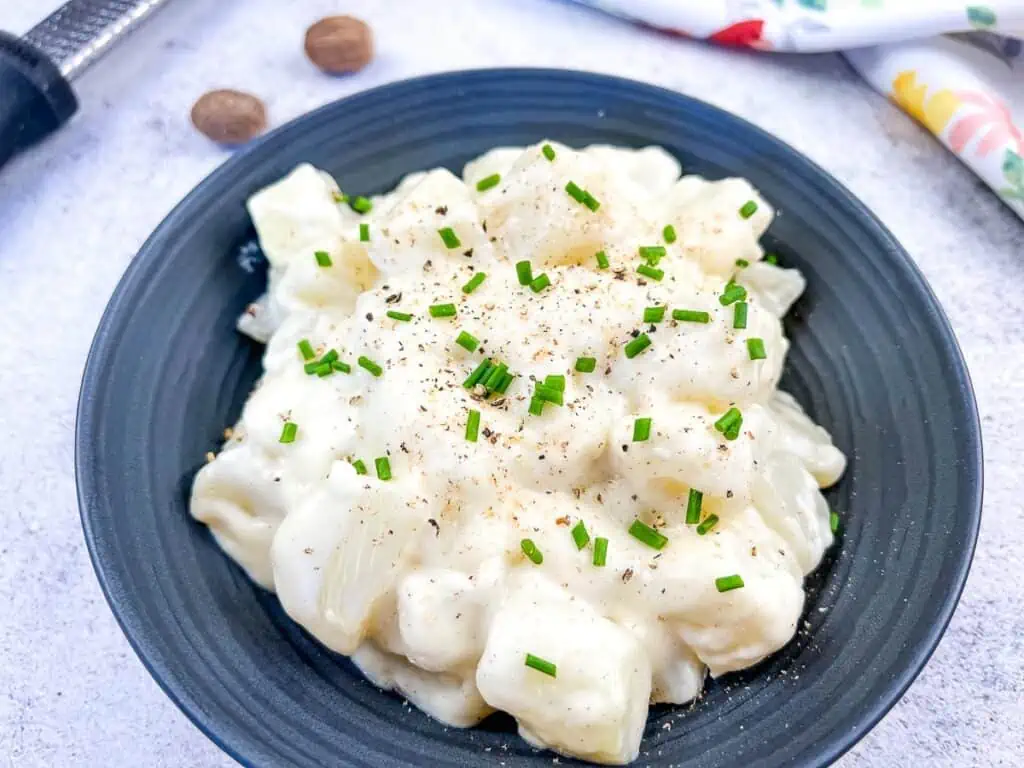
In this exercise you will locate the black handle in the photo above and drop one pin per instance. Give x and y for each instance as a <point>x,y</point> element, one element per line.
<point>35,99</point>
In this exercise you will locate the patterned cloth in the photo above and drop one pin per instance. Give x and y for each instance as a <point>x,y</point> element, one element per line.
<point>955,67</point>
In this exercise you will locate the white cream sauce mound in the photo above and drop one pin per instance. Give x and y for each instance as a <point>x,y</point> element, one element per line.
<point>421,578</point>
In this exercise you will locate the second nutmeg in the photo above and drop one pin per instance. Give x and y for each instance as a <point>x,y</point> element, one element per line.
<point>339,44</point>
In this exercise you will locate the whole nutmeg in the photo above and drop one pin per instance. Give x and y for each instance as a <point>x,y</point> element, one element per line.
<point>229,117</point>
<point>339,44</point>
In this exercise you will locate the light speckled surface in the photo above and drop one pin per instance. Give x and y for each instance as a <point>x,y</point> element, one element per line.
<point>74,211</point>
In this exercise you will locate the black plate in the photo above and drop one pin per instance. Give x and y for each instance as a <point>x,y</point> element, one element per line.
<point>873,360</point>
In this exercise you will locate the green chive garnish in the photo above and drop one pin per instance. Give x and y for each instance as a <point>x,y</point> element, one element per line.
<point>580,535</point>
<point>359,467</point>
<point>741,263</point>
<point>369,365</point>
<point>582,196</point>
<point>638,345</point>
<point>541,665</point>
<point>306,350</point>
<point>540,282</point>
<point>442,310</point>
<point>337,365</point>
<point>536,406</point>
<point>531,551</point>
<point>693,504</point>
<point>402,317</point>
<point>690,316</point>
<point>494,377</point>
<point>739,315</point>
<point>311,367</point>
<point>450,239</point>
<point>652,254</point>
<point>654,314</point>
<point>383,467</point>
<point>467,341</point>
<point>641,429</point>
<point>486,183</point>
<point>733,292</point>
<point>548,394</point>
<point>600,551</point>
<point>555,381</point>
<point>330,356</point>
<point>361,204</point>
<point>586,364</point>
<point>748,209</point>
<point>708,523</point>
<point>727,583</point>
<point>288,432</point>
<point>474,282</point>
<point>364,233</point>
<point>648,271</point>
<point>478,373</point>
<point>647,535</point>
<point>669,233</point>
<point>473,426</point>
<point>323,258</point>
<point>590,201</point>
<point>755,348</point>
<point>729,424</point>
<point>833,521</point>
<point>772,258</point>
<point>549,152</point>
<point>323,369</point>
<point>503,385</point>
<point>602,260</point>
<point>524,272</point>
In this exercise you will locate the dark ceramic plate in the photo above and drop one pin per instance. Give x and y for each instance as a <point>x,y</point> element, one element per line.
<point>873,360</point>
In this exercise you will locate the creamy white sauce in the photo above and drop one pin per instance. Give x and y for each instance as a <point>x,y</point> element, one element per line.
<point>421,579</point>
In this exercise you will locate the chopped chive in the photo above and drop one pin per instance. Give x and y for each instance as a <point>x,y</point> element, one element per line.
<point>638,345</point>
<point>478,373</point>
<point>654,314</point>
<point>690,316</point>
<point>359,467</point>
<point>442,310</point>
<point>600,551</point>
<point>642,429</point>
<point>549,152</point>
<point>772,258</point>
<point>693,505</point>
<point>323,258</point>
<point>707,524</point>
<point>324,369</point>
<point>288,432</point>
<point>602,260</point>
<point>755,348</point>
<point>503,385</point>
<point>540,282</point>
<point>474,282</point>
<point>473,426</point>
<point>467,341</point>
<point>383,467</point>
<point>337,365</point>
<point>669,233</point>
<point>652,254</point>
<point>741,263</point>
<point>494,377</point>
<point>555,381</point>
<point>590,201</point>
<point>586,364</point>
<point>739,315</point>
<point>450,239</point>
<point>306,350</point>
<point>541,665</point>
<point>548,395</point>
<point>648,271</point>
<point>728,583</point>
<point>486,183</point>
<point>369,365</point>
<point>402,317</point>
<point>833,521</point>
<point>361,204</point>
<point>580,535</point>
<point>574,191</point>
<point>531,551</point>
<point>524,272</point>
<point>339,196</point>
<point>647,535</point>
<point>311,367</point>
<point>748,209</point>
<point>536,406</point>
<point>729,424</point>
<point>330,356</point>
<point>364,233</point>
<point>733,292</point>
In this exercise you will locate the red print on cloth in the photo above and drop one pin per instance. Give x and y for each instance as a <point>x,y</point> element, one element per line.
<point>744,33</point>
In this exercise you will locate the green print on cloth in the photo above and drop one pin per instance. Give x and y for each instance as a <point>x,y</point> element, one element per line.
<point>1013,172</point>
<point>981,17</point>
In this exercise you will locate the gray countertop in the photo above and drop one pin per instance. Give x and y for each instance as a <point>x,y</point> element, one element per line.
<point>74,211</point>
